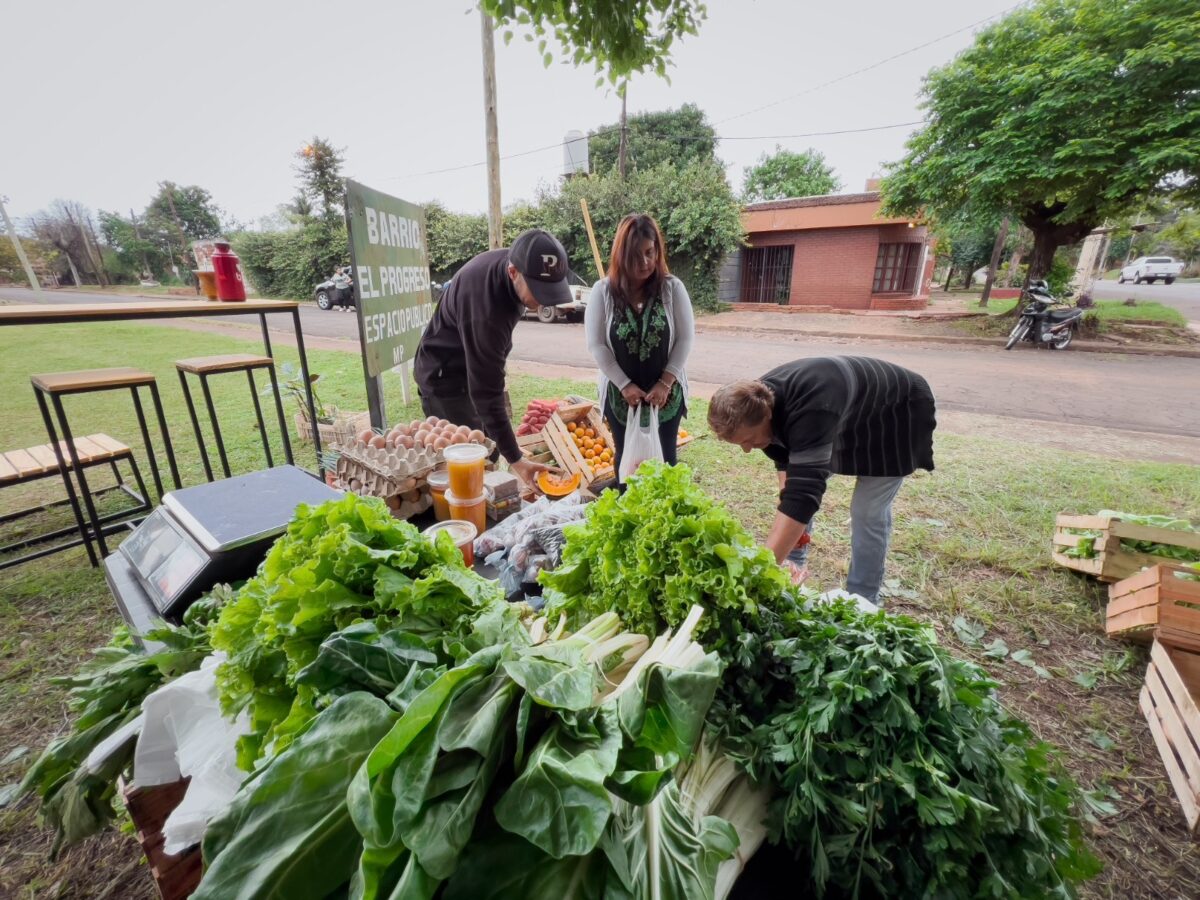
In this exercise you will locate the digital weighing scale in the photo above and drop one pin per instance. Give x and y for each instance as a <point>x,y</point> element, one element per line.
<point>204,535</point>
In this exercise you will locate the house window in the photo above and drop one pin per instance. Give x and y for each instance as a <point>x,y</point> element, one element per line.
<point>896,268</point>
<point>767,274</point>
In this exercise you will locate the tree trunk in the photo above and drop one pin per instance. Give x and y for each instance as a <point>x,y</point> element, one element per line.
<point>949,276</point>
<point>997,249</point>
<point>74,271</point>
<point>1014,264</point>
<point>968,277</point>
<point>1045,242</point>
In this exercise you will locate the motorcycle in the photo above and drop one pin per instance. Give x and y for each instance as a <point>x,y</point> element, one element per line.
<point>1039,324</point>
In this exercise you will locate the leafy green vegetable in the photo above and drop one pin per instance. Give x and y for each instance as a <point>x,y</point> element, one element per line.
<point>288,832</point>
<point>339,563</point>
<point>106,694</point>
<point>892,766</point>
<point>659,549</point>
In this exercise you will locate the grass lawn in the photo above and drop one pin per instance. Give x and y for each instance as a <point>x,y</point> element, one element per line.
<point>971,541</point>
<point>1106,317</point>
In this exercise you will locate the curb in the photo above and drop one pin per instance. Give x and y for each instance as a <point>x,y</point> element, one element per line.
<point>1086,346</point>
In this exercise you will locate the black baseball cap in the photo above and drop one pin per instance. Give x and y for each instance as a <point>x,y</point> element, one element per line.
<point>542,260</point>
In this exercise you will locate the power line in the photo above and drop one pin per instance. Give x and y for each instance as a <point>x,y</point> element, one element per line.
<point>782,137</point>
<point>875,65</point>
<point>816,87</point>
<point>739,137</point>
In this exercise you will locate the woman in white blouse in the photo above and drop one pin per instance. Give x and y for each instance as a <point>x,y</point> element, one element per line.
<point>640,330</point>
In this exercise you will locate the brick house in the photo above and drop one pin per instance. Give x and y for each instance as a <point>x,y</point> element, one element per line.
<point>833,251</point>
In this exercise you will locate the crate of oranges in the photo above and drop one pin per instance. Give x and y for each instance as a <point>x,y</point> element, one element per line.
<point>581,443</point>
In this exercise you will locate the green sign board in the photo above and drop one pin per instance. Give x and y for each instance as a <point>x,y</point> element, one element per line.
<point>390,268</point>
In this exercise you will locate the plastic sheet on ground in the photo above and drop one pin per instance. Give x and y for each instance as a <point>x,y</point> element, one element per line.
<point>184,735</point>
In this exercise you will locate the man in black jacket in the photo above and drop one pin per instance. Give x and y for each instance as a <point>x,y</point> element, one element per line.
<point>459,367</point>
<point>841,415</point>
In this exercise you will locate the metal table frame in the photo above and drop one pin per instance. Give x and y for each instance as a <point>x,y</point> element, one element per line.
<point>122,311</point>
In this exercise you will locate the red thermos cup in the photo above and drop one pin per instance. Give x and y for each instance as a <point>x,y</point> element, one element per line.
<point>230,285</point>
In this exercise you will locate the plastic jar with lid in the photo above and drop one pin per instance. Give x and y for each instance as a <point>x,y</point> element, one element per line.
<point>438,482</point>
<point>473,509</point>
<point>465,463</point>
<point>463,533</point>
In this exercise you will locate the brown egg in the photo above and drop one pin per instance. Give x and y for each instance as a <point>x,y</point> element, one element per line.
<point>415,424</point>
<point>407,442</point>
<point>463,430</point>
<point>431,420</point>
<point>365,436</point>
<point>378,442</point>
<point>458,439</point>
<point>441,444</point>
<point>477,436</point>
<point>443,422</point>
<point>427,441</point>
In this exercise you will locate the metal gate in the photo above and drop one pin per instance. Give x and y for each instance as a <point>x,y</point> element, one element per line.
<point>767,274</point>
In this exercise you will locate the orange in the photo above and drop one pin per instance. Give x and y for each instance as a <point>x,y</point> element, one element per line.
<point>590,432</point>
<point>589,453</point>
<point>605,455</point>
<point>570,426</point>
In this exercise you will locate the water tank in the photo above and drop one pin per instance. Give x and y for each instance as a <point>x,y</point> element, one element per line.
<point>575,153</point>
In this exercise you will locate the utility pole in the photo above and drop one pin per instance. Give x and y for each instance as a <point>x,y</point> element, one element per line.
<point>997,249</point>
<point>16,242</point>
<point>624,145</point>
<point>495,222</point>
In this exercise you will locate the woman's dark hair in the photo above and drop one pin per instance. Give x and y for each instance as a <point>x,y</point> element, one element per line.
<point>634,229</point>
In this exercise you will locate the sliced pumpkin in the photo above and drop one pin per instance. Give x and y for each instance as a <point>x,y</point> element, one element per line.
<point>557,485</point>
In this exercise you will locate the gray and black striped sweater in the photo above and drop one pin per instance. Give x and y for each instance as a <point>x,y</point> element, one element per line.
<point>846,415</point>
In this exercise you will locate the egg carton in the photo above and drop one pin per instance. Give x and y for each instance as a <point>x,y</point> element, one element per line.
<point>395,463</point>
<point>403,506</point>
<point>383,473</point>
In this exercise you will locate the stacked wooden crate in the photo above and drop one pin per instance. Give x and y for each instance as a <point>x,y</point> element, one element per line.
<point>1111,560</point>
<point>1170,700</point>
<point>1161,601</point>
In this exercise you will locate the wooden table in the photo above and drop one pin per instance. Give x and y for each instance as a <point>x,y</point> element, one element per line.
<point>61,313</point>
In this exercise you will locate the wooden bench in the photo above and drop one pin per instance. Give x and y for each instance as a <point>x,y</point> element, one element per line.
<point>19,466</point>
<point>31,463</point>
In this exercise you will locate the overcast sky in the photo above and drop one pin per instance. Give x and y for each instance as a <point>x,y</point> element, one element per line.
<point>111,98</point>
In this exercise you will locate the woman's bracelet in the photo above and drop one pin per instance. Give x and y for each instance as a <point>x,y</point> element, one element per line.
<point>664,384</point>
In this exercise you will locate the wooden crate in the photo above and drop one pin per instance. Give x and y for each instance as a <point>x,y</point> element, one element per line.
<point>1155,602</point>
<point>1169,703</point>
<point>177,876</point>
<point>1112,561</point>
<point>563,446</point>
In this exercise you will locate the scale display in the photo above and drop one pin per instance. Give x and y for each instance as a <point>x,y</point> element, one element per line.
<point>215,532</point>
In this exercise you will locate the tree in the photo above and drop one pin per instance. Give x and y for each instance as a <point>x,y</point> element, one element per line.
<point>670,135</point>
<point>1064,113</point>
<point>1182,237</point>
<point>453,239</point>
<point>67,227</point>
<point>785,173</point>
<point>320,169</point>
<point>619,37</point>
<point>137,249</point>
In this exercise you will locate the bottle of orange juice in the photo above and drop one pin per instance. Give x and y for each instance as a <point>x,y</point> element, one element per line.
<point>464,463</point>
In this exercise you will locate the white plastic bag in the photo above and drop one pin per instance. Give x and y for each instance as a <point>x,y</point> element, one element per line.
<point>184,735</point>
<point>641,442</point>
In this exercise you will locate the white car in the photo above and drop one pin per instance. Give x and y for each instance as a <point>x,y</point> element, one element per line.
<point>1151,269</point>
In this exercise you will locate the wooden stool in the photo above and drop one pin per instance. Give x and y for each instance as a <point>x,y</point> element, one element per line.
<point>55,387</point>
<point>33,463</point>
<point>204,366</point>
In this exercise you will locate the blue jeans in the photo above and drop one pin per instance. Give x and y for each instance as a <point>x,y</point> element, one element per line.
<point>870,532</point>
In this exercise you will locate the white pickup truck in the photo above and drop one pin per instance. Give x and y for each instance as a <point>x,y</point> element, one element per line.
<point>1151,269</point>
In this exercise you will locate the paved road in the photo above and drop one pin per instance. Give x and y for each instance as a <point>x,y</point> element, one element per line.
<point>1183,295</point>
<point>1133,393</point>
